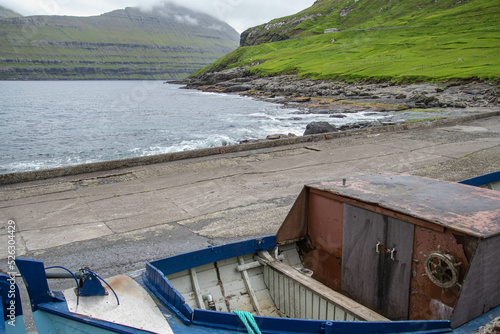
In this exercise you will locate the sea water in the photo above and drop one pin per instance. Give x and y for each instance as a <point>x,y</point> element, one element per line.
<point>47,124</point>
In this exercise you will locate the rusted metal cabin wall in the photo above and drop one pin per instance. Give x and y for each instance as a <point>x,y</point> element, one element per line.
<point>481,289</point>
<point>317,220</point>
<point>323,253</point>
<point>427,300</point>
<point>294,226</point>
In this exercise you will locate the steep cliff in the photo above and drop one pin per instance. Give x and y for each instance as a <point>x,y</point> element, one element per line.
<point>362,14</point>
<point>169,42</point>
<point>418,40</point>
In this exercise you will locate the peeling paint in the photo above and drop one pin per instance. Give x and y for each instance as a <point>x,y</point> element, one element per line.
<point>459,207</point>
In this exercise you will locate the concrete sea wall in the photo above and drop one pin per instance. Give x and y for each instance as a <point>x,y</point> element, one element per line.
<point>20,177</point>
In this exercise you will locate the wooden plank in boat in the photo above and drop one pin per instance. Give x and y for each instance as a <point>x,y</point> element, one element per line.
<point>249,288</point>
<point>308,304</point>
<point>196,289</point>
<point>330,313</point>
<point>266,304</point>
<point>207,278</point>
<point>323,309</point>
<point>303,310</point>
<point>297,304</point>
<point>361,312</point>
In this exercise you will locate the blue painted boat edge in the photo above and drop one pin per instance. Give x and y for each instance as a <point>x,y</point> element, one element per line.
<point>14,328</point>
<point>11,300</point>
<point>482,180</point>
<point>10,306</point>
<point>482,320</point>
<point>2,323</point>
<point>156,280</point>
<point>61,310</point>
<point>155,275</point>
<point>272,325</point>
<point>33,273</point>
<point>181,262</point>
<point>162,289</point>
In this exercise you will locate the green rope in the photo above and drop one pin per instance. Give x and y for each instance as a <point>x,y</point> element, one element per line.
<point>248,319</point>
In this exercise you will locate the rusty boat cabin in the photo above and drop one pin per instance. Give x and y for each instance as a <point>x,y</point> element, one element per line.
<point>406,247</point>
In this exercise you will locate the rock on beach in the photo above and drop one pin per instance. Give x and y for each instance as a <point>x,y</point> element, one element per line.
<point>319,127</point>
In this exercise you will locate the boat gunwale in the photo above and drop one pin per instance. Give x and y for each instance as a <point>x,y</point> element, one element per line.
<point>212,254</point>
<point>156,280</point>
<point>482,180</point>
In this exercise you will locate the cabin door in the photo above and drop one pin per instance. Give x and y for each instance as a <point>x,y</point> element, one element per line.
<point>376,261</point>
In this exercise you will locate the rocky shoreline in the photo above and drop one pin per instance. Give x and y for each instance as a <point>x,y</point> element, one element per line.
<point>412,102</point>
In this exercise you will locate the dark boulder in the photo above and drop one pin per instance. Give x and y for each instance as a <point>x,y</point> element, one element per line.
<point>237,88</point>
<point>319,127</point>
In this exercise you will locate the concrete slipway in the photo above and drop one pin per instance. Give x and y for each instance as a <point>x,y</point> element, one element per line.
<point>115,220</point>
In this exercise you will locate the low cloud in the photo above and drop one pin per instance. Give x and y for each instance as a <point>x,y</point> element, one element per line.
<point>239,14</point>
<point>186,19</point>
<point>242,14</point>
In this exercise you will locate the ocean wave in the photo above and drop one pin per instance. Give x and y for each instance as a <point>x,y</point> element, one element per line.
<point>187,145</point>
<point>87,125</point>
<point>40,164</point>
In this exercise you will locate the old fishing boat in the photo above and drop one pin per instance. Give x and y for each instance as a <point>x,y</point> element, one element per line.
<point>382,253</point>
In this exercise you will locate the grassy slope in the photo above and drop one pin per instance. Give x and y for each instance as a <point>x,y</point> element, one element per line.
<point>111,46</point>
<point>453,40</point>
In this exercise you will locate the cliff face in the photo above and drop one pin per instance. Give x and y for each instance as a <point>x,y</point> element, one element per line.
<point>348,15</point>
<point>275,31</point>
<point>169,42</point>
<point>288,27</point>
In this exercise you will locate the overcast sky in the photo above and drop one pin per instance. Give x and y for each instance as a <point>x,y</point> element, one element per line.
<point>240,14</point>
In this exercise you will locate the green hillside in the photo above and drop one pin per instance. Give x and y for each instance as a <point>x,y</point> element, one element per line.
<point>168,43</point>
<point>417,40</point>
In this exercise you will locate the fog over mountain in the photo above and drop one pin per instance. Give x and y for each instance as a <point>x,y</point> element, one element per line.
<point>162,42</point>
<point>237,13</point>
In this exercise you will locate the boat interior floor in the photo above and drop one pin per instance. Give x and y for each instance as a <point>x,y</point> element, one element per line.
<point>265,285</point>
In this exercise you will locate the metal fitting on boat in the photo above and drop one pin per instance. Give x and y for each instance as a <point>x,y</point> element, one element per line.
<point>305,271</point>
<point>210,301</point>
<point>277,255</point>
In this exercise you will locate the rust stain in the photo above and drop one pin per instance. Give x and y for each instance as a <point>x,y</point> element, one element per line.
<point>463,208</point>
<point>118,282</point>
<point>123,284</point>
<point>325,226</point>
<point>424,290</point>
<point>450,218</point>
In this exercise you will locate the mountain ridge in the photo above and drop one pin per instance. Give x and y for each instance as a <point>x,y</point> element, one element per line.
<point>169,42</point>
<point>7,13</point>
